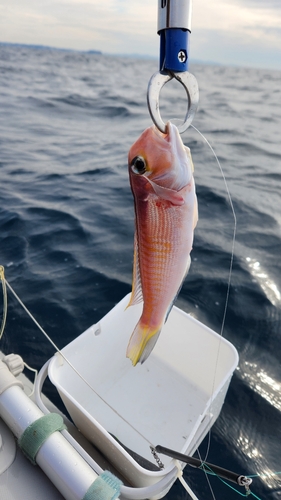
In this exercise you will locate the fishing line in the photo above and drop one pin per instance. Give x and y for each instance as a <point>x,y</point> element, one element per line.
<point>229,272</point>
<point>204,468</point>
<point>234,226</point>
<point>266,475</point>
<point>210,472</point>
<point>71,365</point>
<point>4,290</point>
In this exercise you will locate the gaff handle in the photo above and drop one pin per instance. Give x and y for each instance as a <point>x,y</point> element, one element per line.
<point>174,28</point>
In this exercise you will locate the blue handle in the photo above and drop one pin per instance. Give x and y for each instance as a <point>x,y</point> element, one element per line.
<point>174,45</point>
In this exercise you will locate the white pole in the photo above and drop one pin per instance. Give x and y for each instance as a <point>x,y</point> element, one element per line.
<point>67,470</point>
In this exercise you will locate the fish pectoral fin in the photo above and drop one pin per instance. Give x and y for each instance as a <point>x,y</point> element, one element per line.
<point>141,343</point>
<point>167,194</point>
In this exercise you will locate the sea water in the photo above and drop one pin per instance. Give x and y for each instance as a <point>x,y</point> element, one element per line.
<point>67,121</point>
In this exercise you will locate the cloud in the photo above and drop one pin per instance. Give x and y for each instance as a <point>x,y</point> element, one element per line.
<point>238,30</point>
<point>235,15</point>
<point>274,4</point>
<point>108,25</point>
<point>224,31</point>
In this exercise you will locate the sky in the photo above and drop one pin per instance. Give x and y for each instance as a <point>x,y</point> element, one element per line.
<point>232,32</point>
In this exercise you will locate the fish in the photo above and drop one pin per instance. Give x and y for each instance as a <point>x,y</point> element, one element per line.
<point>166,213</point>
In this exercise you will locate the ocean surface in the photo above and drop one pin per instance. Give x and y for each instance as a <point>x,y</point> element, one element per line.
<point>67,121</point>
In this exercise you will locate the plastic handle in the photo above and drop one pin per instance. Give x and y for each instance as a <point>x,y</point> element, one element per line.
<point>174,27</point>
<point>174,44</point>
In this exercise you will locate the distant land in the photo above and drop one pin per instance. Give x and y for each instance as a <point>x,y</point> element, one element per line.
<point>47,47</point>
<point>92,51</point>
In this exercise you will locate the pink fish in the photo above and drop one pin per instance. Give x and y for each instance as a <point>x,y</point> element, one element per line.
<point>161,177</point>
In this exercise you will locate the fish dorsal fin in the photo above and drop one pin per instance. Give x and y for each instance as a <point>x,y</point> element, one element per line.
<point>136,295</point>
<point>167,194</point>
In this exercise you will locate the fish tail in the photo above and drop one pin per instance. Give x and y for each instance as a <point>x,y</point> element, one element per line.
<point>141,343</point>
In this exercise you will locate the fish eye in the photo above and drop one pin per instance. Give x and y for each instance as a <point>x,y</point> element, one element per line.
<point>138,165</point>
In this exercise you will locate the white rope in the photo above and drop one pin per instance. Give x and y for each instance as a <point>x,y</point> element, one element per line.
<point>35,377</point>
<point>184,483</point>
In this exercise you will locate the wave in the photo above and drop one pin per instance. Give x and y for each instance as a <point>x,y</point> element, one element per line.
<point>67,217</point>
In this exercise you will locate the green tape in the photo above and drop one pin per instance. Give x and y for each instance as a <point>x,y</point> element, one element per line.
<point>105,487</point>
<point>38,432</point>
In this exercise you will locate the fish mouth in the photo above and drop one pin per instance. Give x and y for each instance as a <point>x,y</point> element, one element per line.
<point>180,174</point>
<point>172,134</point>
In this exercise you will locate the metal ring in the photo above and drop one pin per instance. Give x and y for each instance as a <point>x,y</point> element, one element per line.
<point>244,481</point>
<point>157,81</point>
